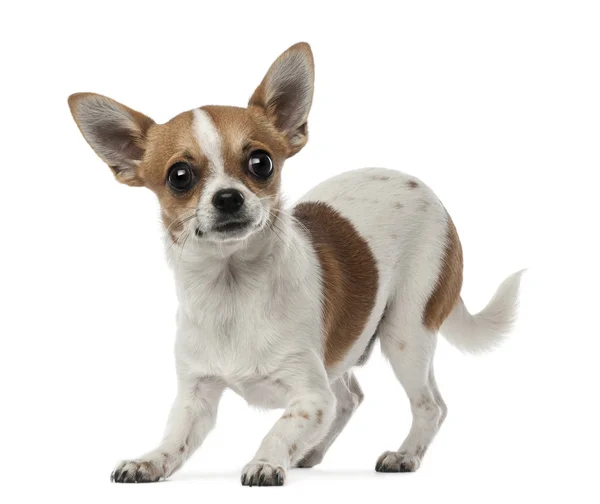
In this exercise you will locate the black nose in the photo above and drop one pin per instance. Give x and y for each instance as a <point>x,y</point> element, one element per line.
<point>228,200</point>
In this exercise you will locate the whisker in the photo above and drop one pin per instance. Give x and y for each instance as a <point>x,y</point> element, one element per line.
<point>181,251</point>
<point>281,210</point>
<point>182,220</point>
<point>294,219</point>
<point>292,243</point>
<point>278,235</point>
<point>179,221</point>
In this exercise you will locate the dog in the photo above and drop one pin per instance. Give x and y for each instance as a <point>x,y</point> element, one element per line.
<point>280,305</point>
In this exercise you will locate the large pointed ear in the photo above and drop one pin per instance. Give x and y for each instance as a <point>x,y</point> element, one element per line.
<point>116,133</point>
<point>286,94</point>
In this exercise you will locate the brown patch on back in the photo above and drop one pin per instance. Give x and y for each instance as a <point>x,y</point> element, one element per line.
<point>349,276</point>
<point>320,416</point>
<point>447,290</point>
<point>412,184</point>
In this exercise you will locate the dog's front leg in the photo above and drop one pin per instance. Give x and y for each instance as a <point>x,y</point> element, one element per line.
<point>303,424</point>
<point>191,419</point>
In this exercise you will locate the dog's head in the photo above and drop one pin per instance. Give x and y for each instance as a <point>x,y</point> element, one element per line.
<point>216,170</point>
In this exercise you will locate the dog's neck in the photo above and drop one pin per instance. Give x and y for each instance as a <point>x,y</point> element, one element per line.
<point>277,253</point>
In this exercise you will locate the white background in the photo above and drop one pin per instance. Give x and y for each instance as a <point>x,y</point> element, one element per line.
<point>496,105</point>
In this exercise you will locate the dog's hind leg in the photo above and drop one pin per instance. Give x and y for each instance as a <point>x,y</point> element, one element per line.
<point>410,346</point>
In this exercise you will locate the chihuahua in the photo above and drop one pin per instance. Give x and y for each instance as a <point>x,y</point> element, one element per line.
<point>280,305</point>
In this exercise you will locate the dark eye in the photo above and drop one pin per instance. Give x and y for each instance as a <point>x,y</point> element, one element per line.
<point>180,177</point>
<point>260,164</point>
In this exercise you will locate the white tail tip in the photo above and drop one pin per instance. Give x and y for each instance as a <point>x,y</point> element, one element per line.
<point>484,330</point>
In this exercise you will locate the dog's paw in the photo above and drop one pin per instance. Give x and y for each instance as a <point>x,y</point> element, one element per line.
<point>262,474</point>
<point>397,462</point>
<point>138,471</point>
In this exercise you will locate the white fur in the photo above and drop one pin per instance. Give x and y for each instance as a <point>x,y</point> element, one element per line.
<point>209,140</point>
<point>487,329</point>
<point>249,319</point>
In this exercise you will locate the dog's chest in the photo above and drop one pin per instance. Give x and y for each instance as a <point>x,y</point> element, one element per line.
<point>241,331</point>
<point>229,340</point>
<point>237,351</point>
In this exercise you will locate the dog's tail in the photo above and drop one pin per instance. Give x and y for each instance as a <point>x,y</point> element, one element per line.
<point>484,330</point>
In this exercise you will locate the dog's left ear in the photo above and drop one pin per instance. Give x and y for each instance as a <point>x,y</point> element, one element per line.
<point>286,93</point>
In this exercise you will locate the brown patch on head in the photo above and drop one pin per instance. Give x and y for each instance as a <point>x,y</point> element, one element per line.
<point>243,131</point>
<point>304,415</point>
<point>287,416</point>
<point>349,276</point>
<point>168,144</point>
<point>447,290</point>
<point>412,184</point>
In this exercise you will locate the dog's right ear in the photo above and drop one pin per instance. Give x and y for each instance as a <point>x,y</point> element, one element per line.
<point>117,133</point>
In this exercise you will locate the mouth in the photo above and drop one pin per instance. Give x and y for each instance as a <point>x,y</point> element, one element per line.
<point>230,230</point>
<point>231,226</point>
